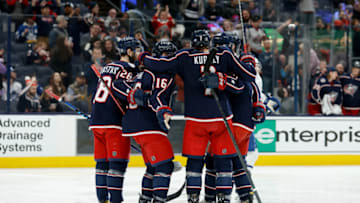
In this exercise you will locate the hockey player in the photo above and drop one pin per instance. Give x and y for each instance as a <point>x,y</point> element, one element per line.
<point>111,149</point>
<point>204,122</point>
<point>146,121</point>
<point>351,91</point>
<point>327,92</point>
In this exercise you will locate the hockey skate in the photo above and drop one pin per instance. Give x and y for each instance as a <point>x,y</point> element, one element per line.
<point>145,199</point>
<point>221,198</point>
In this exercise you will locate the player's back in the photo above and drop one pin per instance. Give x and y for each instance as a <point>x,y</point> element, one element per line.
<point>105,112</point>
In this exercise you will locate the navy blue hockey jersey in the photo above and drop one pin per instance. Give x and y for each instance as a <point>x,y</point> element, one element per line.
<point>142,120</point>
<point>105,113</point>
<point>323,86</point>
<point>351,91</point>
<point>190,65</point>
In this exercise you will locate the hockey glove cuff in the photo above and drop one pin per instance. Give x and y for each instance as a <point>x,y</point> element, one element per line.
<point>272,104</point>
<point>138,96</point>
<point>248,59</point>
<point>258,115</point>
<point>163,115</point>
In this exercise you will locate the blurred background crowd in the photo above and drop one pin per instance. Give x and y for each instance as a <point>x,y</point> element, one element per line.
<point>308,49</point>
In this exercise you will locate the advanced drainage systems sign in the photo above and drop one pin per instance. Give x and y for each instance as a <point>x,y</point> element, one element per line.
<point>37,135</point>
<point>309,134</point>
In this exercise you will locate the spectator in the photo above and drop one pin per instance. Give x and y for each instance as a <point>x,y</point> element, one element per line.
<point>139,36</point>
<point>27,32</point>
<point>15,87</point>
<point>266,59</point>
<point>307,10</point>
<point>59,30</point>
<point>97,61</point>
<point>356,38</point>
<point>213,12</point>
<point>253,9</point>
<point>231,11</point>
<point>161,18</point>
<point>287,101</point>
<point>269,13</point>
<point>111,17</point>
<point>314,60</point>
<point>192,11</point>
<point>350,84</point>
<point>56,84</point>
<point>38,54</point>
<point>246,16</point>
<point>77,93</point>
<point>95,31</point>
<point>29,102</point>
<point>93,17</point>
<point>49,104</point>
<point>141,4</point>
<point>113,31</point>
<point>45,23</point>
<point>74,27</point>
<point>61,56</point>
<point>255,36</point>
<point>94,43</point>
<point>110,51</point>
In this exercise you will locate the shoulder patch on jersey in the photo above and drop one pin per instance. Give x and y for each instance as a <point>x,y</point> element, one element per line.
<point>322,80</point>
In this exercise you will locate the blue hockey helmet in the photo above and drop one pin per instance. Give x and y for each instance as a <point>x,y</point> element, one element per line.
<point>221,39</point>
<point>129,43</point>
<point>200,39</point>
<point>164,47</point>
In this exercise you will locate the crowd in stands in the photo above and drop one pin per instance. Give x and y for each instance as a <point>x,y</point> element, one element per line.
<point>57,41</point>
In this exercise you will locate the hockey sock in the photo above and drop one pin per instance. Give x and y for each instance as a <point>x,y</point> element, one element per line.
<point>242,182</point>
<point>223,168</point>
<point>102,168</point>
<point>147,183</point>
<point>115,180</point>
<point>161,180</point>
<point>210,179</point>
<point>193,175</point>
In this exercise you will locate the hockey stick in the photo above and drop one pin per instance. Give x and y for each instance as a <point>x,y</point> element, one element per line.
<point>242,27</point>
<point>176,194</point>
<point>97,73</point>
<point>216,97</point>
<point>70,106</point>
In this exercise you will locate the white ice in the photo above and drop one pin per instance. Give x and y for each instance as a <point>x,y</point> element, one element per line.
<point>308,184</point>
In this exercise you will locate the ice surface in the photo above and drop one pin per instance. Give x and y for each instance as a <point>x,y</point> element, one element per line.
<point>308,184</point>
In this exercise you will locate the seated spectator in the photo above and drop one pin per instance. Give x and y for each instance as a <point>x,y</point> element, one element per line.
<point>231,11</point>
<point>49,104</point>
<point>61,56</point>
<point>89,47</point>
<point>60,29</point>
<point>29,102</point>
<point>56,84</point>
<point>269,13</point>
<point>287,101</point>
<point>111,17</point>
<point>93,16</point>
<point>284,71</point>
<point>27,32</point>
<point>110,51</point>
<point>213,12</point>
<point>15,87</point>
<point>162,17</point>
<point>38,54</point>
<point>113,31</point>
<point>350,84</point>
<point>45,23</point>
<point>77,93</point>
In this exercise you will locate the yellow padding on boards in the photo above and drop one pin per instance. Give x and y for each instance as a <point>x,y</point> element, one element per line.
<point>137,161</point>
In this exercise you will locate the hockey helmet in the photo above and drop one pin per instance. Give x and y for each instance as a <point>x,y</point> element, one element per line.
<point>129,43</point>
<point>164,47</point>
<point>200,39</point>
<point>221,39</point>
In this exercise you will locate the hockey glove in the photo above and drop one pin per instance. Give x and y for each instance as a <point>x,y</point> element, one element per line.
<point>248,59</point>
<point>138,96</point>
<point>214,80</point>
<point>163,115</point>
<point>258,115</point>
<point>272,104</point>
<point>142,56</point>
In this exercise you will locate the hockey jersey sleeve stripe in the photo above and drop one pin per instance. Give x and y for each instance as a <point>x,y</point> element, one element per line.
<point>153,77</point>
<point>163,90</point>
<point>235,87</point>
<point>257,92</point>
<point>167,59</point>
<point>240,65</point>
<point>119,91</point>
